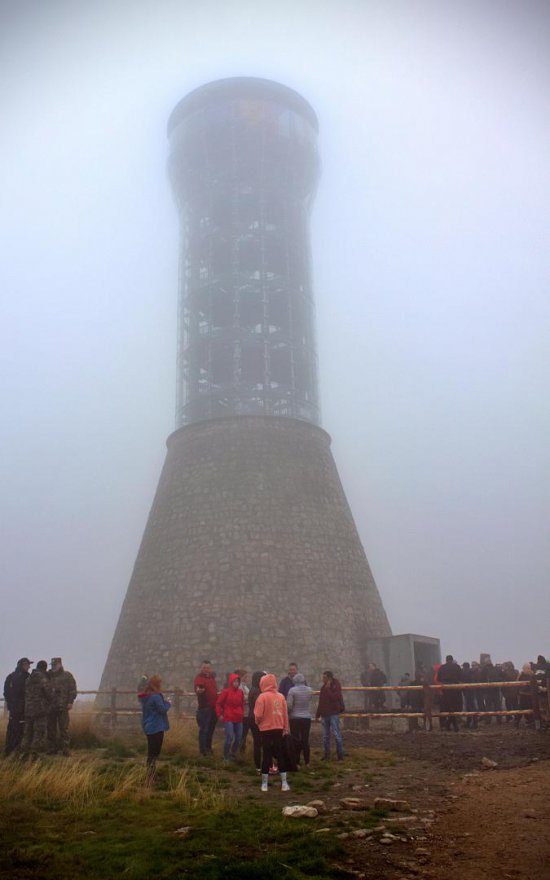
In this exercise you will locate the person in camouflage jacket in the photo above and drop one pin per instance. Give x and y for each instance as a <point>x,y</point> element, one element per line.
<point>38,701</point>
<point>63,687</point>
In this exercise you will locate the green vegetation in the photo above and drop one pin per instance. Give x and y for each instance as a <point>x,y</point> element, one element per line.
<point>93,817</point>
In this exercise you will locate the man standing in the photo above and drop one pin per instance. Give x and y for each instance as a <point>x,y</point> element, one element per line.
<point>14,695</point>
<point>331,705</point>
<point>37,705</point>
<point>207,695</point>
<point>451,701</point>
<point>378,679</point>
<point>288,681</point>
<point>63,689</point>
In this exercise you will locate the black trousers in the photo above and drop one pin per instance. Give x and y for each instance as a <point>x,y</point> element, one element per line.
<point>272,747</point>
<point>299,728</point>
<point>257,741</point>
<point>154,745</point>
<point>14,733</point>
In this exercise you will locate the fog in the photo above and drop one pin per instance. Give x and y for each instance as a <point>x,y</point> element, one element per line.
<point>431,277</point>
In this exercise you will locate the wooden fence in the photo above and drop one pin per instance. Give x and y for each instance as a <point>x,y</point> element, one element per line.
<point>184,707</point>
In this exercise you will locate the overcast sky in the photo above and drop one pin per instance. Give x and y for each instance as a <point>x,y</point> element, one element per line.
<point>430,238</point>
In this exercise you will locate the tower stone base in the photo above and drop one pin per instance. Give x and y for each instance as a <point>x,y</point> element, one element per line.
<point>250,557</point>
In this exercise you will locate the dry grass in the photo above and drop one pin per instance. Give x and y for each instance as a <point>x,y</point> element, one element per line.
<point>78,782</point>
<point>182,738</point>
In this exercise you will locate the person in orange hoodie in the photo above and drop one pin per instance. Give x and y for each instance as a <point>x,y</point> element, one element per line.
<point>271,716</point>
<point>230,706</point>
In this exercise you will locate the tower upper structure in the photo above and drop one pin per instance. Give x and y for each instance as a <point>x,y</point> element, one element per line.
<point>244,168</point>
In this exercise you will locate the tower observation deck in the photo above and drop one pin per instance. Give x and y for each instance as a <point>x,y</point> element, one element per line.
<point>244,168</point>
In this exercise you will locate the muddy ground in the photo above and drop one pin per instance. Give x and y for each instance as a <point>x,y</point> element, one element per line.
<point>464,820</point>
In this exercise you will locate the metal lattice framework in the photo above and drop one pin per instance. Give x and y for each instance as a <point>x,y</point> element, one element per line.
<point>244,168</point>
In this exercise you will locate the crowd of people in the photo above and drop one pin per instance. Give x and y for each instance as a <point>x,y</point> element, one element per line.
<point>477,700</point>
<point>38,703</point>
<point>277,715</point>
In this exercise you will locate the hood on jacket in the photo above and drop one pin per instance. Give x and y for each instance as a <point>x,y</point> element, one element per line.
<point>268,683</point>
<point>298,678</point>
<point>231,678</point>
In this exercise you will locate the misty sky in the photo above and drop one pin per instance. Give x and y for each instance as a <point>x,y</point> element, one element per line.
<point>430,241</point>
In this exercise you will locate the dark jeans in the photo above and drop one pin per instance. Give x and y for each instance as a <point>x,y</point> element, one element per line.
<point>154,745</point>
<point>257,740</point>
<point>204,717</point>
<point>272,747</point>
<point>14,733</point>
<point>299,728</point>
<point>206,720</point>
<point>246,728</point>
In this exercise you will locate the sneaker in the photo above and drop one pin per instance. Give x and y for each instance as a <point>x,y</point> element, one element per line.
<point>285,786</point>
<point>264,782</point>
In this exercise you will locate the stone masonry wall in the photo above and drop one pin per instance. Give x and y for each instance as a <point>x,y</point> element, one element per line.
<point>250,557</point>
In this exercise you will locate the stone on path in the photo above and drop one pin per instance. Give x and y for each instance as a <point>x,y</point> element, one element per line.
<point>299,811</point>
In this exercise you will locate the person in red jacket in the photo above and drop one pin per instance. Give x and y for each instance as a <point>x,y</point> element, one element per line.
<point>230,707</point>
<point>207,695</point>
<point>331,705</point>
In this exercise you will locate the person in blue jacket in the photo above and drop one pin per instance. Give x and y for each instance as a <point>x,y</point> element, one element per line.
<point>154,721</point>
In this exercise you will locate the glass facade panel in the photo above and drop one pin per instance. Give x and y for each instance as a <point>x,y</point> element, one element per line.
<point>244,170</point>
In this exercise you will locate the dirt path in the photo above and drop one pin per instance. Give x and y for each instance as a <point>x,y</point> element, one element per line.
<point>471,823</point>
<point>499,827</point>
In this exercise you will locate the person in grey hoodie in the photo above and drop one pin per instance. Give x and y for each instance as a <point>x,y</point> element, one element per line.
<point>298,701</point>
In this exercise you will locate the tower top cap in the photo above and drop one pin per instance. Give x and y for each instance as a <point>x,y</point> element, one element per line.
<point>241,87</point>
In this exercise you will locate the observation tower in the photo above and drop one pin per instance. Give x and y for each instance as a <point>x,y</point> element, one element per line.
<point>250,555</point>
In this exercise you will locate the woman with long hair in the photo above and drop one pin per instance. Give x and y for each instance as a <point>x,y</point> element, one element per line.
<point>154,721</point>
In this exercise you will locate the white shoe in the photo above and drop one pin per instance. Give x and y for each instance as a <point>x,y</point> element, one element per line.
<point>264,782</point>
<point>284,784</point>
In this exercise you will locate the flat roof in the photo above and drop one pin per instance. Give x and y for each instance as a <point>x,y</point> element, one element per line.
<point>241,87</point>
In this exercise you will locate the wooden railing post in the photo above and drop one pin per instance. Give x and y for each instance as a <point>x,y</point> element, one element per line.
<point>428,724</point>
<point>113,710</point>
<point>177,702</point>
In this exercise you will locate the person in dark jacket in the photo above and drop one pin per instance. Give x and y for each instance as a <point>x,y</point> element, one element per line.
<point>230,707</point>
<point>286,683</point>
<point>253,695</point>
<point>207,695</point>
<point>38,703</point>
<point>525,696</point>
<point>155,722</point>
<point>14,696</point>
<point>329,709</point>
<point>510,673</point>
<point>377,678</point>
<point>451,701</point>
<point>63,687</point>
<point>469,696</point>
